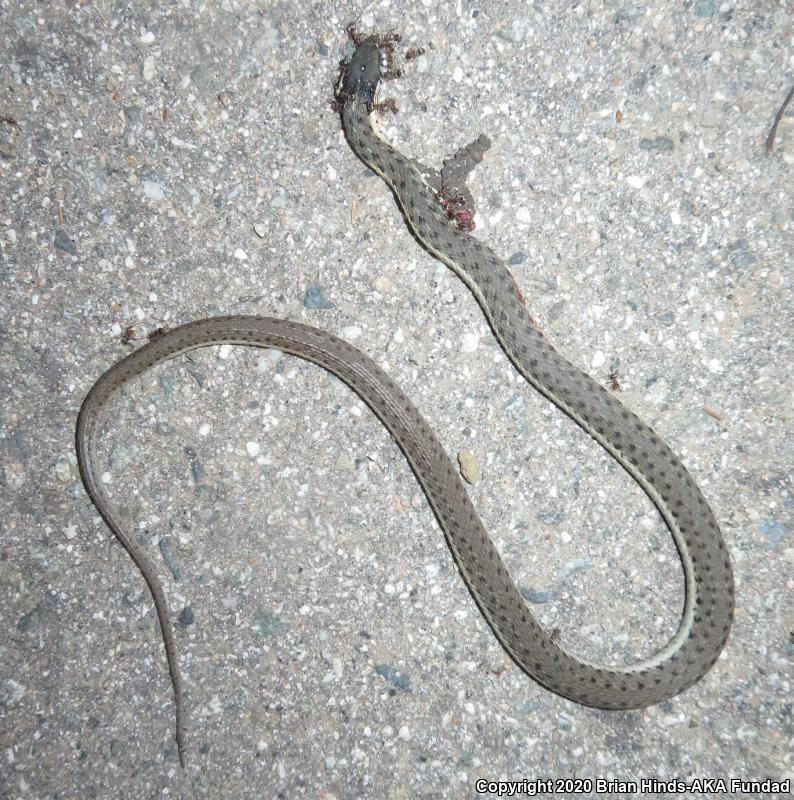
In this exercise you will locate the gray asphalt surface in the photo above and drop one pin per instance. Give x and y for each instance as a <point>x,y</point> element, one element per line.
<point>165,162</point>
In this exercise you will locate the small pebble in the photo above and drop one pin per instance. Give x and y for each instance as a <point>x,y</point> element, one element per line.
<point>469,466</point>
<point>153,190</point>
<point>393,676</point>
<point>383,283</point>
<point>705,8</point>
<point>63,469</point>
<point>315,298</point>
<point>469,342</point>
<point>65,242</point>
<point>268,624</point>
<point>148,67</point>
<point>658,143</point>
<point>714,365</point>
<point>351,333</point>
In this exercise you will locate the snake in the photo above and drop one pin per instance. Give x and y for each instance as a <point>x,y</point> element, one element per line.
<point>708,579</point>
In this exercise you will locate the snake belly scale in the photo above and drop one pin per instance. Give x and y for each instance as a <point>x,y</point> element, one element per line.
<point>708,606</point>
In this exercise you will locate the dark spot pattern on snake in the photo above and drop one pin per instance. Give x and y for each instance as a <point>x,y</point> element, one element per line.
<point>708,607</point>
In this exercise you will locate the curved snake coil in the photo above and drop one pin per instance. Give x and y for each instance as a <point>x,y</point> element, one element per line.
<point>708,607</point>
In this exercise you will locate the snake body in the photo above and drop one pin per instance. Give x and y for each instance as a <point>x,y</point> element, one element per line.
<point>708,607</point>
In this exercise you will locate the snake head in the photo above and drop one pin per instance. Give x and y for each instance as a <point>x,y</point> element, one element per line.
<point>362,73</point>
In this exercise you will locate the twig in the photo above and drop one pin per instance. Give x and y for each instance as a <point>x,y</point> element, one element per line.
<point>770,140</point>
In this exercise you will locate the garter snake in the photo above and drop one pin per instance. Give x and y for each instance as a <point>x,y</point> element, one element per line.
<point>708,607</point>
